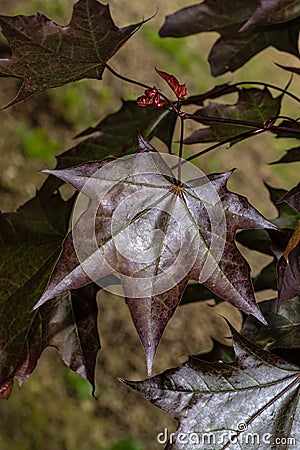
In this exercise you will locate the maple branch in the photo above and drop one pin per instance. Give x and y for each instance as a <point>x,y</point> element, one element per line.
<point>232,140</point>
<point>265,126</point>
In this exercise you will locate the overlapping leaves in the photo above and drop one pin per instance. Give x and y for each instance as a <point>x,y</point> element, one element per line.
<point>253,105</point>
<point>289,263</point>
<point>47,55</point>
<point>271,242</point>
<point>116,135</point>
<point>283,329</point>
<point>246,28</point>
<point>251,402</point>
<point>30,243</point>
<point>162,197</point>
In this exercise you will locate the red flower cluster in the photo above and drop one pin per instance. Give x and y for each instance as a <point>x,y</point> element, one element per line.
<point>151,97</point>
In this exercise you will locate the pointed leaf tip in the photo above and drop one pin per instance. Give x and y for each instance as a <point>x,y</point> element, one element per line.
<point>197,390</point>
<point>150,355</point>
<point>227,272</point>
<point>85,45</point>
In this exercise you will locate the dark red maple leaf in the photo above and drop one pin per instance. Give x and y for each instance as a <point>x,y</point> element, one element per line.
<point>245,29</point>
<point>155,234</point>
<point>249,403</point>
<point>31,239</point>
<point>47,55</point>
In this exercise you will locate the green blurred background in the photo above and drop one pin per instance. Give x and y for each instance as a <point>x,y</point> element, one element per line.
<point>54,409</point>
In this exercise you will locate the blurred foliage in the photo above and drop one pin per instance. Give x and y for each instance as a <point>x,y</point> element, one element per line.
<point>36,143</point>
<point>73,102</point>
<point>126,444</point>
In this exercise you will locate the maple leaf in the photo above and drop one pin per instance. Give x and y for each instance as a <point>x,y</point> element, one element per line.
<point>70,325</point>
<point>47,55</point>
<point>252,402</point>
<point>155,234</point>
<point>269,13</point>
<point>236,46</point>
<point>288,270</point>
<point>271,242</point>
<point>283,329</point>
<point>231,52</point>
<point>292,197</point>
<point>115,135</point>
<point>253,105</point>
<point>30,241</point>
<point>267,241</point>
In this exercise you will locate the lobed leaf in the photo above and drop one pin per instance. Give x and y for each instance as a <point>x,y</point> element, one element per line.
<point>93,250</point>
<point>70,325</point>
<point>269,13</point>
<point>232,51</point>
<point>47,55</point>
<point>288,270</point>
<point>249,403</point>
<point>235,20</point>
<point>253,105</point>
<point>30,242</point>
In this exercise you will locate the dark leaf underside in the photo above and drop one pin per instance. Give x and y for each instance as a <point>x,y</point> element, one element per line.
<point>246,28</point>
<point>229,405</point>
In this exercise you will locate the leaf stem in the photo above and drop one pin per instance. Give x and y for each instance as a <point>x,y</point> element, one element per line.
<point>122,77</point>
<point>265,126</point>
<point>180,146</point>
<point>232,140</point>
